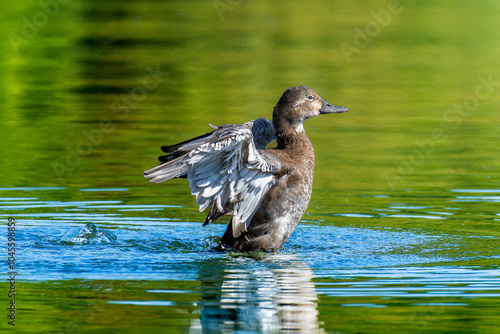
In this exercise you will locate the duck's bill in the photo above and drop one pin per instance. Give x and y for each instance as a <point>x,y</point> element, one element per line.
<point>327,108</point>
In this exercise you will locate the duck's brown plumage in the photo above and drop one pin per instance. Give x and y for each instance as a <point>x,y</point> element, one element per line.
<point>265,190</point>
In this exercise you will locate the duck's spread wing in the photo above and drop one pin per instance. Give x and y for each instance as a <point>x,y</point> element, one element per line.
<point>263,132</point>
<point>225,170</point>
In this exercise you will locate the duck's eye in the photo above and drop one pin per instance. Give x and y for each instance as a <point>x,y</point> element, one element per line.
<point>310,97</point>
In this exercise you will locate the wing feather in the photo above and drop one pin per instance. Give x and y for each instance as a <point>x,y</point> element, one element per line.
<point>225,169</point>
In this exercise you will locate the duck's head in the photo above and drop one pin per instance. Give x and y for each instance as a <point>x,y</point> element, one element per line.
<point>298,104</point>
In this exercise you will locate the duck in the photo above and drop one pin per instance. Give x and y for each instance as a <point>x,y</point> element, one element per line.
<point>265,191</point>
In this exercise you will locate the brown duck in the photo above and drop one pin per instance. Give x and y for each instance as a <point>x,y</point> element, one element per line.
<point>265,191</point>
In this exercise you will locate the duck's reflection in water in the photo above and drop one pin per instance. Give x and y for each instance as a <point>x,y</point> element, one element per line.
<point>271,294</point>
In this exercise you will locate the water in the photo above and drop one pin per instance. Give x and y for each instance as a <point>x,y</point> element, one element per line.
<point>164,271</point>
<point>402,232</point>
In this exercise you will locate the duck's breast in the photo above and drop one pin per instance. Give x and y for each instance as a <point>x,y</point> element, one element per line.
<point>285,203</point>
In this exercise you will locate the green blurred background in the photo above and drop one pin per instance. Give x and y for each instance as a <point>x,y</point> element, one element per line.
<point>67,66</point>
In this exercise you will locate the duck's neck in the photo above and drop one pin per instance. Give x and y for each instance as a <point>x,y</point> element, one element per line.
<point>294,138</point>
<point>290,133</point>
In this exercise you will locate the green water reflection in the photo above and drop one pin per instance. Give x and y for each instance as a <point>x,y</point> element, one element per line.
<point>91,89</point>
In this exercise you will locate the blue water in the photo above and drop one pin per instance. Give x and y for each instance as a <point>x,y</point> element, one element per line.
<point>150,248</point>
<point>325,267</point>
